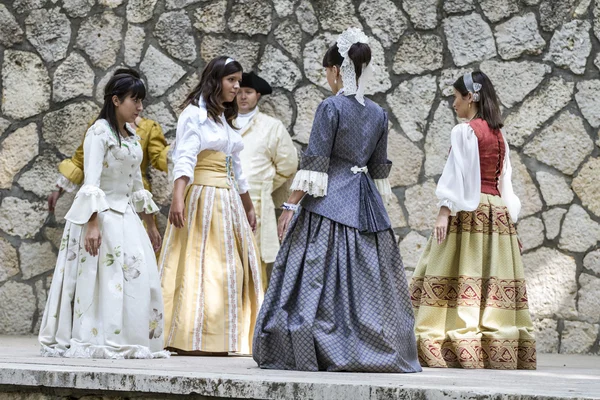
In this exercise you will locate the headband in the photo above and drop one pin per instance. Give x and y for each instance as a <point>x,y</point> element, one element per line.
<point>229,60</point>
<point>472,87</point>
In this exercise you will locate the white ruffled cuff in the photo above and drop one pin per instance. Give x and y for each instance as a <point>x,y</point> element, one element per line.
<point>89,200</point>
<point>384,188</point>
<point>513,204</point>
<point>311,182</point>
<point>142,202</point>
<point>66,184</point>
<point>449,204</point>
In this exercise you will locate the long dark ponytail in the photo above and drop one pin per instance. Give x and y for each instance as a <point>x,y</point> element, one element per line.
<point>125,82</point>
<point>210,89</point>
<point>488,106</point>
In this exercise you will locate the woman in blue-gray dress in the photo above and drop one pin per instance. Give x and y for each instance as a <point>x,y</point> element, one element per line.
<point>338,296</point>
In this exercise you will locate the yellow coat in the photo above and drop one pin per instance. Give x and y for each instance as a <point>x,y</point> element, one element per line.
<point>269,159</point>
<point>154,147</point>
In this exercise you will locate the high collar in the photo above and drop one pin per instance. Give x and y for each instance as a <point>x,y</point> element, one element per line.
<point>252,115</point>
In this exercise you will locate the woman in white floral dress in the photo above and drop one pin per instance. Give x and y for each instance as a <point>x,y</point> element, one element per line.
<point>105,300</point>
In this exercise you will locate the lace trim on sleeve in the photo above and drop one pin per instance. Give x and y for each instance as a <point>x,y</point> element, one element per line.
<point>384,188</point>
<point>66,184</point>
<point>311,182</point>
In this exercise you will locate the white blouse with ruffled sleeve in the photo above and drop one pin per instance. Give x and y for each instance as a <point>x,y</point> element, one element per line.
<point>459,187</point>
<point>113,179</point>
<point>195,133</point>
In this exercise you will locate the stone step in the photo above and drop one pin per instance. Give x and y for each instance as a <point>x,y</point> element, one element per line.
<point>23,371</point>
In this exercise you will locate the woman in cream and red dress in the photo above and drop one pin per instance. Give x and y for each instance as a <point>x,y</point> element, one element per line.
<point>468,289</point>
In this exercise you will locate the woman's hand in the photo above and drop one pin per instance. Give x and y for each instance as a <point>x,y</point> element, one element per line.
<point>251,215</point>
<point>176,212</point>
<point>284,223</point>
<point>249,208</point>
<point>441,225</point>
<point>176,216</point>
<point>152,230</point>
<point>155,238</point>
<point>53,199</point>
<point>93,237</point>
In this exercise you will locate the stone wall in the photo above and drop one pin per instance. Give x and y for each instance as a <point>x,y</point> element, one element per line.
<point>542,56</point>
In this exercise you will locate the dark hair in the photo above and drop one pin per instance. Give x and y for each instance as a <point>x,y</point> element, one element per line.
<point>210,89</point>
<point>488,106</point>
<point>359,53</point>
<point>125,82</point>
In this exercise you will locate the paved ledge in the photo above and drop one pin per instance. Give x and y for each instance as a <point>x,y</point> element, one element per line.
<point>21,369</point>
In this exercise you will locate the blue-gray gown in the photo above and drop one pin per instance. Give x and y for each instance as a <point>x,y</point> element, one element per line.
<point>338,296</point>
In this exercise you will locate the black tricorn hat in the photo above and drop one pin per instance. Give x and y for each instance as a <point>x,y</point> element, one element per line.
<point>251,80</point>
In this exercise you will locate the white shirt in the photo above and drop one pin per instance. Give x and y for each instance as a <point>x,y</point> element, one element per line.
<point>459,187</point>
<point>195,133</point>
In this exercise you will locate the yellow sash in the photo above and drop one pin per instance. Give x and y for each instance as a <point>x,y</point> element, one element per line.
<point>213,168</point>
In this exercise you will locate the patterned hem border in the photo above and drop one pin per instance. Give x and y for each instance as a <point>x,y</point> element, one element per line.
<point>466,291</point>
<point>487,353</point>
<point>486,219</point>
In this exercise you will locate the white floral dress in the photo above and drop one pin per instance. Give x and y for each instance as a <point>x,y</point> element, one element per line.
<point>108,306</point>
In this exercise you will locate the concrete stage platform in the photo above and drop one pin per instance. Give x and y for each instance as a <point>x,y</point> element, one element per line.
<point>25,375</point>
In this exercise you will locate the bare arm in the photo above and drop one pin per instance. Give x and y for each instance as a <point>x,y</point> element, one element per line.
<point>176,213</point>
<point>249,208</point>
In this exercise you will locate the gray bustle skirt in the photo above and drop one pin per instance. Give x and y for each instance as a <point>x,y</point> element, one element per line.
<point>337,301</point>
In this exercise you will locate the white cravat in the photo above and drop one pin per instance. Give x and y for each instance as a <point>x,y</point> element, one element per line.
<point>244,119</point>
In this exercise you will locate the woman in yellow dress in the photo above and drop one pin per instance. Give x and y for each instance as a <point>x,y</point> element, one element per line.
<point>209,263</point>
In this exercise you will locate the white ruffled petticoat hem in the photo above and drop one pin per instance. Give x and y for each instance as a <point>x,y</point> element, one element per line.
<point>311,182</point>
<point>95,351</point>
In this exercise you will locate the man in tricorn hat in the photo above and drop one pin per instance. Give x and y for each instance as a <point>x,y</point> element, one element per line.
<point>269,159</point>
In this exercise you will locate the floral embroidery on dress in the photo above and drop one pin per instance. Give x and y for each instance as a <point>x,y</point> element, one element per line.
<point>63,242</point>
<point>156,328</point>
<point>131,265</point>
<point>71,255</point>
<point>112,257</point>
<point>115,285</point>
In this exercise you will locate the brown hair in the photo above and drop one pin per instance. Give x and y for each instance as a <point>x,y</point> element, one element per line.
<point>359,53</point>
<point>488,106</point>
<point>210,89</point>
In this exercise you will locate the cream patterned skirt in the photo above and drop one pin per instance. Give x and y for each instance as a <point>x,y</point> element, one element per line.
<point>469,295</point>
<point>211,275</point>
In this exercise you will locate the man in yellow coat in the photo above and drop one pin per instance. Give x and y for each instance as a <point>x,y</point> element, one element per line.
<point>269,159</point>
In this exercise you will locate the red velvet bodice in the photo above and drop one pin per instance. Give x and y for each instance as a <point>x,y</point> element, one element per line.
<point>491,155</point>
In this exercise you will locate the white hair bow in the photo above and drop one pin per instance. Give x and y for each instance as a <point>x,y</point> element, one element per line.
<point>349,37</point>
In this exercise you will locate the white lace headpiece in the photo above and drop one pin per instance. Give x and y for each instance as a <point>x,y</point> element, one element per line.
<point>344,42</point>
